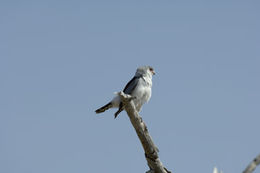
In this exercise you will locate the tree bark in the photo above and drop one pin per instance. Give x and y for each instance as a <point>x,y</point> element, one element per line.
<point>151,151</point>
<point>251,167</point>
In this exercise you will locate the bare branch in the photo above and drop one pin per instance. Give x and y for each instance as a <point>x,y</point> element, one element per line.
<point>251,167</point>
<point>151,151</point>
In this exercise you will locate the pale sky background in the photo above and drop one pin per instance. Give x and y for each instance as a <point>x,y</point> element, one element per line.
<point>61,60</point>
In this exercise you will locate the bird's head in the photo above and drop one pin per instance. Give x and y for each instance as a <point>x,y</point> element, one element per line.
<point>145,71</point>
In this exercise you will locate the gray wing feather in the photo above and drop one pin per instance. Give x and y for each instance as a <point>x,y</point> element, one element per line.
<point>129,88</point>
<point>131,85</point>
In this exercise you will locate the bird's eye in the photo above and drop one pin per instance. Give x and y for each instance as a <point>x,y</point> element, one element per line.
<point>151,69</point>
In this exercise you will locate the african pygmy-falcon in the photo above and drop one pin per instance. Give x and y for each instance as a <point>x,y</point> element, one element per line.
<point>139,87</point>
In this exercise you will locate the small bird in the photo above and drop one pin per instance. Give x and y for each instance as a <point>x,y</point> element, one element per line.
<point>139,87</point>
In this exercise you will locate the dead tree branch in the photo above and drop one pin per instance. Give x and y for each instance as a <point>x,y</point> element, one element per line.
<point>251,167</point>
<point>151,151</point>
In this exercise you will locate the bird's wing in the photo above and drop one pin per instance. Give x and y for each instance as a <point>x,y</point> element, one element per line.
<point>131,85</point>
<point>129,88</point>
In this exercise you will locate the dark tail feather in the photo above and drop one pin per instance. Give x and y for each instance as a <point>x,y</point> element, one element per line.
<point>104,108</point>
<point>119,110</point>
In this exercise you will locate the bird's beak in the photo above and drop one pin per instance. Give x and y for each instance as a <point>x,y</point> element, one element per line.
<point>153,72</point>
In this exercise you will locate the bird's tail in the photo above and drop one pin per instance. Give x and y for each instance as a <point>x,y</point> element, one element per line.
<point>104,108</point>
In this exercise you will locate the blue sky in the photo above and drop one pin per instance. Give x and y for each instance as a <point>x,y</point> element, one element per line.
<point>60,60</point>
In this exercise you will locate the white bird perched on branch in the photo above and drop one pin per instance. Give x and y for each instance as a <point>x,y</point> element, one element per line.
<point>139,87</point>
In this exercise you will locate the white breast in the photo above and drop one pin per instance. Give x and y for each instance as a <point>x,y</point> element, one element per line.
<point>142,92</point>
